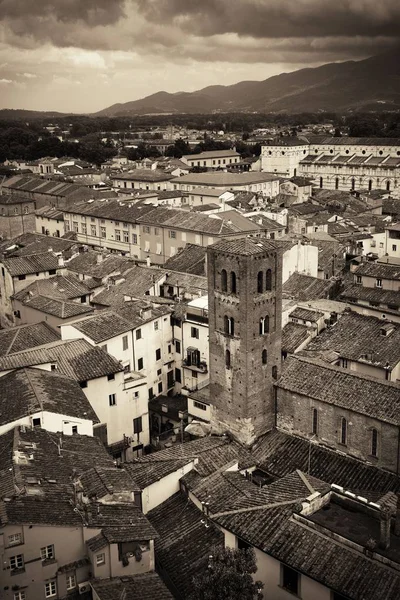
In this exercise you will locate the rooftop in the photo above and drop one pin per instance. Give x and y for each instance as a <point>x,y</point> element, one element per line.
<point>374,296</point>
<point>62,309</point>
<point>61,287</point>
<point>305,287</point>
<point>23,337</point>
<point>145,472</point>
<point>346,389</point>
<point>380,270</point>
<point>152,175</point>
<point>191,259</point>
<point>245,246</point>
<point>226,180</point>
<point>27,391</point>
<point>146,586</point>
<point>293,336</point>
<point>212,154</point>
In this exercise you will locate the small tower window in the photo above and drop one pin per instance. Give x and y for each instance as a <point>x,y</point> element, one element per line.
<point>227,359</point>
<point>370,185</point>
<point>264,325</point>
<point>233,282</point>
<point>374,442</point>
<point>264,357</point>
<point>229,325</point>
<point>224,280</point>
<point>314,421</point>
<point>268,280</point>
<point>353,183</point>
<point>343,431</point>
<point>260,282</point>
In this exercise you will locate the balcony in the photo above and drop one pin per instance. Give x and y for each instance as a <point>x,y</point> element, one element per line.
<point>199,367</point>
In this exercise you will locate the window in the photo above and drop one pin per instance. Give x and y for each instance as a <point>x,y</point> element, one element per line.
<point>343,431</point>
<point>126,237</point>
<point>156,325</point>
<point>394,248</point>
<point>227,359</point>
<point>374,442</point>
<point>118,235</point>
<point>19,596</point>
<point>47,552</point>
<point>71,582</point>
<point>100,559</point>
<point>102,232</point>
<point>17,562</point>
<point>125,344</point>
<point>177,347</point>
<point>178,376</point>
<point>151,393</point>
<point>199,405</point>
<point>146,229</point>
<point>84,228</point>
<point>224,280</point>
<point>52,272</point>
<point>233,282</point>
<point>260,282</point>
<point>36,422</point>
<point>268,280</point>
<point>111,377</point>
<point>112,399</point>
<point>75,226</point>
<point>264,357</point>
<point>158,354</point>
<point>137,425</point>
<point>134,238</point>
<point>14,539</point>
<point>172,234</point>
<point>50,589</point>
<point>274,372</point>
<point>290,580</point>
<point>138,334</point>
<point>229,325</point>
<point>160,387</point>
<point>264,325</point>
<point>314,421</point>
<point>344,363</point>
<point>140,364</point>
<point>194,332</point>
<point>21,277</point>
<point>74,429</point>
<point>379,283</point>
<point>359,279</point>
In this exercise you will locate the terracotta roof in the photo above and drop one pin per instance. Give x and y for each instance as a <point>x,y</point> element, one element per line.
<point>26,265</point>
<point>354,292</point>
<point>225,179</point>
<point>345,389</point>
<point>87,264</point>
<point>380,270</point>
<point>144,175</point>
<point>146,586</point>
<point>212,154</point>
<point>137,282</point>
<point>245,246</point>
<point>305,287</point>
<point>64,287</point>
<point>28,391</point>
<point>191,259</point>
<point>58,308</point>
<point>146,472</point>
<point>76,359</point>
<point>293,335</point>
<point>23,337</point>
<point>306,314</point>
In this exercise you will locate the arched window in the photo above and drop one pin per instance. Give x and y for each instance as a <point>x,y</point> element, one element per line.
<point>353,183</point>
<point>264,357</point>
<point>268,280</point>
<point>233,282</point>
<point>264,325</point>
<point>260,282</point>
<point>314,421</point>
<point>227,359</point>
<point>224,280</point>
<point>343,431</point>
<point>321,182</point>
<point>388,186</point>
<point>337,183</point>
<point>370,185</point>
<point>229,325</point>
<point>374,442</point>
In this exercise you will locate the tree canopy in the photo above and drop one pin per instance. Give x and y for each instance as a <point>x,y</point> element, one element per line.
<point>228,576</point>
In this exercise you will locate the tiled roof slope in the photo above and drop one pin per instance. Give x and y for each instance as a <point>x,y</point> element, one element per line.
<point>27,391</point>
<point>293,335</point>
<point>64,287</point>
<point>26,265</point>
<point>35,243</point>
<point>191,259</point>
<point>56,307</point>
<point>137,282</point>
<point>245,246</point>
<point>346,389</point>
<point>356,292</point>
<point>355,335</point>
<point>146,586</point>
<point>87,264</point>
<point>305,287</point>
<point>383,271</point>
<point>18,339</point>
<point>279,453</point>
<point>76,359</point>
<point>145,472</point>
<point>184,544</point>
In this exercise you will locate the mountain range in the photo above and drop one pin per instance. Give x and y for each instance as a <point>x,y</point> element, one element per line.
<point>369,84</point>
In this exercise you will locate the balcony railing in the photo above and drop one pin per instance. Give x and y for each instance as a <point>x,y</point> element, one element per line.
<point>200,367</point>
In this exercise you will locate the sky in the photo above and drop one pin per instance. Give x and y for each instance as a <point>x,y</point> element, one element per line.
<point>84,55</point>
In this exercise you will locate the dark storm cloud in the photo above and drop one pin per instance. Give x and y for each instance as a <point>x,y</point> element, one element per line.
<point>278,18</point>
<point>92,12</point>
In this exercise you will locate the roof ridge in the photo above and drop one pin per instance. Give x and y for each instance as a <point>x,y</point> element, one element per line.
<point>305,481</point>
<point>31,383</point>
<point>12,342</point>
<point>255,508</point>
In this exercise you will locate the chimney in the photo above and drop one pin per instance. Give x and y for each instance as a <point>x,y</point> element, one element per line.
<point>99,258</point>
<point>61,262</point>
<point>388,505</point>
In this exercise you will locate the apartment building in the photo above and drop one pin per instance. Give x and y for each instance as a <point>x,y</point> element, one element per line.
<point>266,184</point>
<point>213,159</point>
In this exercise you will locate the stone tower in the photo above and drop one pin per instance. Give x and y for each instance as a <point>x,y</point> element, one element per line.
<point>245,323</point>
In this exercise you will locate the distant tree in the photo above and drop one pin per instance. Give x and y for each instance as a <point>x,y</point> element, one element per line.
<point>228,577</point>
<point>178,149</point>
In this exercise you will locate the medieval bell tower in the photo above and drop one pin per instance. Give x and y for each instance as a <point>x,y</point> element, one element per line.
<point>245,323</point>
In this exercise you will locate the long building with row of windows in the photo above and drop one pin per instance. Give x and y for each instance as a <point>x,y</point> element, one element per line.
<point>341,163</point>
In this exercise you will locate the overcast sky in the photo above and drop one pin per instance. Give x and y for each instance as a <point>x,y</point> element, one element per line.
<point>84,55</point>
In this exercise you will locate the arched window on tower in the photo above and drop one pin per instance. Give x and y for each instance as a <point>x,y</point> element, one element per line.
<point>268,280</point>
<point>227,359</point>
<point>314,421</point>
<point>388,186</point>
<point>337,183</point>
<point>343,431</point>
<point>370,185</point>
<point>233,282</point>
<point>374,442</point>
<point>229,325</point>
<point>264,357</point>
<point>264,325</point>
<point>353,183</point>
<point>224,280</point>
<point>260,282</point>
